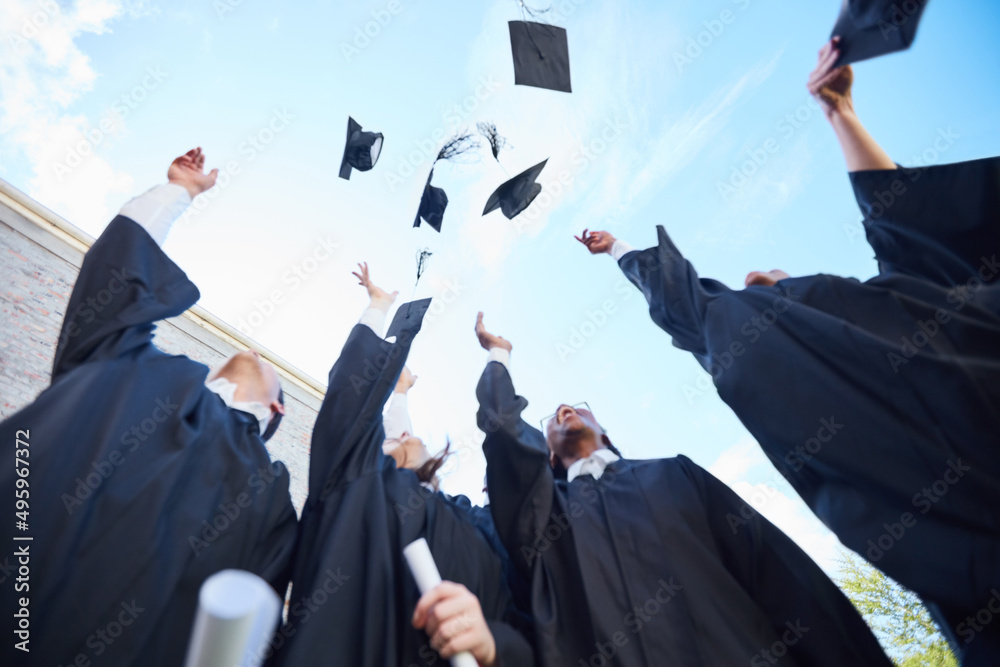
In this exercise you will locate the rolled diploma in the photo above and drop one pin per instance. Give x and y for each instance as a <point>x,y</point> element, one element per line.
<point>237,614</point>
<point>418,556</point>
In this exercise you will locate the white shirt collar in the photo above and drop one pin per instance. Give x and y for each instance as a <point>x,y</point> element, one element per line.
<point>227,392</point>
<point>593,465</point>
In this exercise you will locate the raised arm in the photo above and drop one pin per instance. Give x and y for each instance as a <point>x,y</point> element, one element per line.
<point>127,283</point>
<point>348,435</point>
<point>517,460</point>
<point>831,86</point>
<point>678,299</point>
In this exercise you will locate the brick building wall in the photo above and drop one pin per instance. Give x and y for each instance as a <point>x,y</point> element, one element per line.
<point>40,257</point>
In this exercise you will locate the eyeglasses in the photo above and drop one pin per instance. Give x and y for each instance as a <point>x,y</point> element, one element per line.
<point>578,406</point>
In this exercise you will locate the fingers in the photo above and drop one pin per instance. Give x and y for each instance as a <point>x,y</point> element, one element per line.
<point>440,592</point>
<point>480,327</point>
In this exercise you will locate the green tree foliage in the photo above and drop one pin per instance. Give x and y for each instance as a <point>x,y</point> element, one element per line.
<point>896,615</point>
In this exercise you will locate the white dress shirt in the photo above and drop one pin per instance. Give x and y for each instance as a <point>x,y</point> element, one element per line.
<point>592,465</point>
<point>619,249</point>
<point>226,390</point>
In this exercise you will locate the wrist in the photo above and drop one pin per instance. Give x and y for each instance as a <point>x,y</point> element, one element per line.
<point>192,190</point>
<point>380,303</point>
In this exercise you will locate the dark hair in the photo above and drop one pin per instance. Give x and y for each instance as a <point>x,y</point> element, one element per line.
<point>559,470</point>
<point>427,473</point>
<point>272,425</point>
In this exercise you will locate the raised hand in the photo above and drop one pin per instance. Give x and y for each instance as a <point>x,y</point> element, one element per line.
<point>596,242</point>
<point>488,340</point>
<point>452,617</point>
<point>832,86</point>
<point>188,171</point>
<point>405,381</point>
<point>378,295</point>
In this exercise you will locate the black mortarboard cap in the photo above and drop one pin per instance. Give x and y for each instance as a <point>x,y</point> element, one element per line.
<point>870,28</point>
<point>433,202</point>
<point>541,55</point>
<point>361,150</point>
<point>408,318</point>
<point>516,194</point>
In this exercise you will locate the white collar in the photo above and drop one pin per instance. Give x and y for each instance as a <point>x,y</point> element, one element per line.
<point>599,460</point>
<point>226,390</point>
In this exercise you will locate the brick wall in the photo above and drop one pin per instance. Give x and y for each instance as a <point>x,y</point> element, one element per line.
<point>37,272</point>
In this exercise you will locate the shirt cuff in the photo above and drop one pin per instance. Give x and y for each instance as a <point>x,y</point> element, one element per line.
<point>374,319</point>
<point>501,355</point>
<point>619,249</point>
<point>157,209</point>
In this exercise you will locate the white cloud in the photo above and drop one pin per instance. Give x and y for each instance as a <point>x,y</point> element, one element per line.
<point>42,73</point>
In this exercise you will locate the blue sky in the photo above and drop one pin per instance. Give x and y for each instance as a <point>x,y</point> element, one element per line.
<point>646,138</point>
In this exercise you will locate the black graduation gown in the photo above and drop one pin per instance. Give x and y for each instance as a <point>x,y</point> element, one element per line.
<point>645,565</point>
<point>142,481</point>
<point>353,595</point>
<point>879,401</point>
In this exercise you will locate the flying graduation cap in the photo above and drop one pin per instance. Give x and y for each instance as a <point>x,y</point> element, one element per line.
<point>361,150</point>
<point>516,194</point>
<point>541,55</point>
<point>871,28</point>
<point>433,202</point>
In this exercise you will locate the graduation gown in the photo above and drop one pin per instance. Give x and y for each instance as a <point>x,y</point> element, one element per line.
<point>142,482</point>
<point>644,566</point>
<point>353,595</point>
<point>879,401</point>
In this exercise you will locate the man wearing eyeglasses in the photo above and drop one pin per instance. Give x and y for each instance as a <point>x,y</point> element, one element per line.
<point>648,562</point>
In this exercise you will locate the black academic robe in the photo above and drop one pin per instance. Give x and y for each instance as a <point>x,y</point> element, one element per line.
<point>353,595</point>
<point>141,483</point>
<point>645,566</point>
<point>879,401</point>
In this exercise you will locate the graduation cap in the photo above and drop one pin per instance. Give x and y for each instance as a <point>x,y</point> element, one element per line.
<point>361,150</point>
<point>541,55</point>
<point>516,194</point>
<point>408,318</point>
<point>870,28</point>
<point>433,202</point>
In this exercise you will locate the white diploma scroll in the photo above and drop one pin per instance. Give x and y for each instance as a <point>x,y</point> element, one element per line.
<point>237,614</point>
<point>425,571</point>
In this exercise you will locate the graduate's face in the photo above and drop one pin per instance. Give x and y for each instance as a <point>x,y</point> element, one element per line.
<point>410,452</point>
<point>568,427</point>
<point>765,278</point>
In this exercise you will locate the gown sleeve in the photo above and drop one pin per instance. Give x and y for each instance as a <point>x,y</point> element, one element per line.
<point>517,464</point>
<point>802,604</point>
<point>348,435</point>
<point>941,223</point>
<point>126,284</point>
<point>678,299</point>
